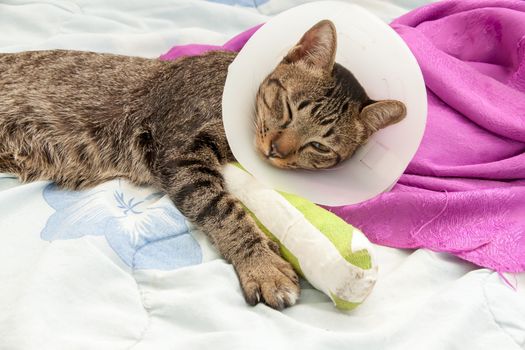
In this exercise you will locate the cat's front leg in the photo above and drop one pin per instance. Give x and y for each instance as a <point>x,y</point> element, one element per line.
<point>196,186</point>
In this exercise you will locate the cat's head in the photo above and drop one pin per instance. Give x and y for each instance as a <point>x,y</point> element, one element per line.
<point>312,113</point>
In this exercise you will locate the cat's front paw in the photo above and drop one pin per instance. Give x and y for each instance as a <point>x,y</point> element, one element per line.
<point>266,277</point>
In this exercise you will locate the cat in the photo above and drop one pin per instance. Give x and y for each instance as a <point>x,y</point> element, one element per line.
<point>81,118</point>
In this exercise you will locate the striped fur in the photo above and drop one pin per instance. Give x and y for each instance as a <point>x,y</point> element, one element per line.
<point>311,112</point>
<point>81,118</point>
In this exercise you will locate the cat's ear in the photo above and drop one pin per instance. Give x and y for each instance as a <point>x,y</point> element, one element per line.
<point>379,115</point>
<point>317,47</point>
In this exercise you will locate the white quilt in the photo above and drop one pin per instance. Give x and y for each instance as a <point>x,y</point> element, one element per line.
<point>118,267</point>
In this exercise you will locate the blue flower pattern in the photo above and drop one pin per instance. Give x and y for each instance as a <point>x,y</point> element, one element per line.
<point>143,227</point>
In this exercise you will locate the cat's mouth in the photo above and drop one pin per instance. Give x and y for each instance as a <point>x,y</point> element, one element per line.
<point>275,161</point>
<point>267,151</point>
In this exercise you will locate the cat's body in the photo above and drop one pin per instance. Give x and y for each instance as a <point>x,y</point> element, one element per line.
<point>81,118</point>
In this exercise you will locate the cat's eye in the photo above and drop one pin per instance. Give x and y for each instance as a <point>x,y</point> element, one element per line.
<point>289,117</point>
<point>289,110</point>
<point>319,147</point>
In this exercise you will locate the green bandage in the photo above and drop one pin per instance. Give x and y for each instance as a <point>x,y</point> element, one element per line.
<point>333,256</point>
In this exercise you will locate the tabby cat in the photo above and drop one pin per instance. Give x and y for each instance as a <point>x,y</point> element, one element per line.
<point>81,118</point>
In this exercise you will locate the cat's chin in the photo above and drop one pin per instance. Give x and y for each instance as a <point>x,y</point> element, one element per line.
<point>287,165</point>
<point>280,163</point>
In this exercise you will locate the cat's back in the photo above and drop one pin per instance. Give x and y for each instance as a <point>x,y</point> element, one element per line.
<point>71,80</point>
<point>68,65</point>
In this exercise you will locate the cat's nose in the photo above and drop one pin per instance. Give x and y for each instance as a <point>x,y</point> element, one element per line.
<point>278,149</point>
<point>274,151</point>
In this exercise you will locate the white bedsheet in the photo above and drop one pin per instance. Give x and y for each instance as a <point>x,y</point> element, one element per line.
<point>97,269</point>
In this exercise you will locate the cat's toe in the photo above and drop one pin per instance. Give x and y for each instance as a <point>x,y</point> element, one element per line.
<point>269,279</point>
<point>279,296</point>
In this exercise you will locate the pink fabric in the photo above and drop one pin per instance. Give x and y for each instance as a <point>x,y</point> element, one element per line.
<point>464,191</point>
<point>234,44</point>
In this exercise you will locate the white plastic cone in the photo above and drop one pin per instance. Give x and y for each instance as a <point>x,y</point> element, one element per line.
<point>382,63</point>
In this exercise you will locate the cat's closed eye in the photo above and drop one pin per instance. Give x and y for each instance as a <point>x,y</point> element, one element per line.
<point>288,117</point>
